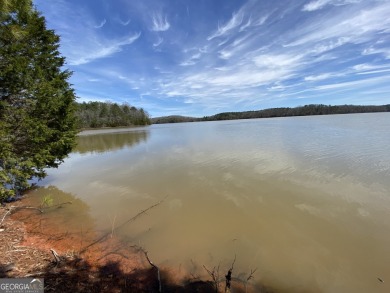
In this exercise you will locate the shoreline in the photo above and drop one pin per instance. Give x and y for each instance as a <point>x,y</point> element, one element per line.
<point>34,245</point>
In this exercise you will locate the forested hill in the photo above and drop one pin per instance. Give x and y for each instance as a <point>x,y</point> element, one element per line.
<point>105,114</point>
<point>279,112</point>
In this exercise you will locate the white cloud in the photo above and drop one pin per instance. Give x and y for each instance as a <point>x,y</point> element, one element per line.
<point>319,4</point>
<point>81,40</point>
<point>315,5</point>
<point>187,63</point>
<point>353,26</point>
<point>159,42</point>
<point>238,81</point>
<point>330,45</point>
<point>261,20</point>
<point>366,66</point>
<point>356,83</point>
<point>281,61</point>
<point>234,22</point>
<point>101,24</point>
<point>194,58</point>
<point>246,25</point>
<point>372,50</point>
<point>124,23</point>
<point>160,23</point>
<point>98,48</point>
<point>318,77</point>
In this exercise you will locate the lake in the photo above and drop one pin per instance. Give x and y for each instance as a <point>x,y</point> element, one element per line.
<point>305,200</point>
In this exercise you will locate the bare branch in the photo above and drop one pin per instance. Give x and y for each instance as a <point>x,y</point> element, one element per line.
<point>249,277</point>
<point>251,274</point>
<point>214,274</point>
<point>152,264</point>
<point>13,209</point>
<point>57,205</point>
<point>6,214</point>
<point>228,276</point>
<point>102,238</point>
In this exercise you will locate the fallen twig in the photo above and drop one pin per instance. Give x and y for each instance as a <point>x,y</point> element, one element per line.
<point>249,277</point>
<point>57,205</point>
<point>121,225</point>
<point>13,209</point>
<point>5,215</point>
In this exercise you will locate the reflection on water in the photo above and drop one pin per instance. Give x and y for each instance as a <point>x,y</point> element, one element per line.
<point>306,200</point>
<point>99,142</point>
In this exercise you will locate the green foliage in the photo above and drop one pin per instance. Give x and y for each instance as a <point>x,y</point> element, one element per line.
<point>173,119</point>
<point>99,114</point>
<point>37,123</point>
<point>46,201</point>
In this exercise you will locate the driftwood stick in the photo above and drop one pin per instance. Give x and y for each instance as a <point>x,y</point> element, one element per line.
<point>249,277</point>
<point>139,214</point>
<point>13,209</point>
<point>5,215</point>
<point>121,225</point>
<point>29,208</point>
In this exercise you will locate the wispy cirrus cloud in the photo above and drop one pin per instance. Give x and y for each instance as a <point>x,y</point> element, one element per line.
<point>158,42</point>
<point>348,84</point>
<point>82,40</point>
<point>322,76</point>
<point>355,26</point>
<point>99,48</point>
<point>377,50</point>
<point>319,4</point>
<point>234,22</point>
<point>160,23</point>
<point>101,24</point>
<point>124,22</point>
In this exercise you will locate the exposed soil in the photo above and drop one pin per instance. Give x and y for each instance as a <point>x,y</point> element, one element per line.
<point>32,245</point>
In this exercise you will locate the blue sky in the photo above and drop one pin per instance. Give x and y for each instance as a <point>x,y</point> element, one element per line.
<point>202,57</point>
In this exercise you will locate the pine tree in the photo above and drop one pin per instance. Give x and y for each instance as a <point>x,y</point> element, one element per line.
<point>37,104</point>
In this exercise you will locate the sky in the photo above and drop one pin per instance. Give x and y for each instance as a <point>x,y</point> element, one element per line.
<point>202,57</point>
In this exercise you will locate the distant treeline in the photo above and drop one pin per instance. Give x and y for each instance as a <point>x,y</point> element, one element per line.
<point>278,112</point>
<point>106,114</point>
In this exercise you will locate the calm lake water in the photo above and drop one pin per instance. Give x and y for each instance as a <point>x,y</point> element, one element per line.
<point>305,200</point>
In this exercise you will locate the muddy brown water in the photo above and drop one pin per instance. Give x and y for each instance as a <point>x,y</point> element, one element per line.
<point>305,200</point>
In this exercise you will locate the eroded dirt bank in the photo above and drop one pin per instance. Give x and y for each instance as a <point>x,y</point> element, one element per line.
<point>72,260</point>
